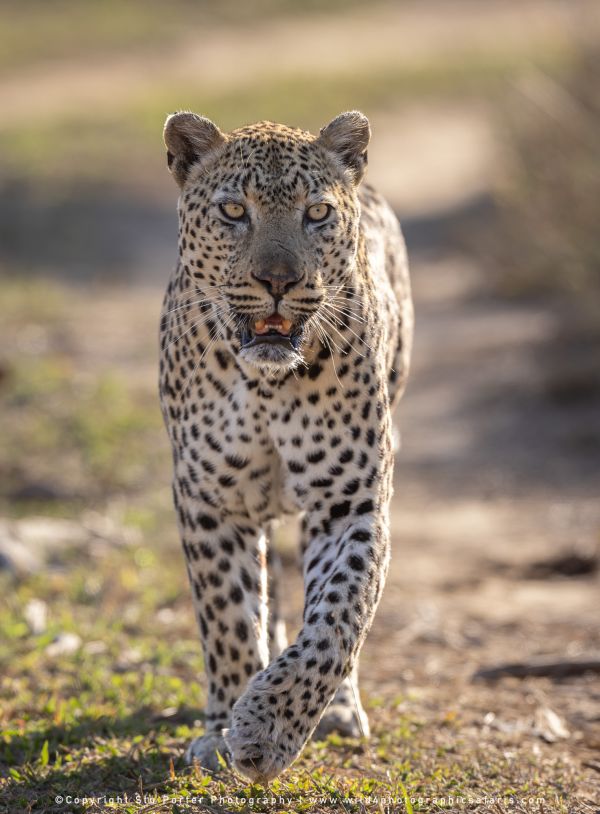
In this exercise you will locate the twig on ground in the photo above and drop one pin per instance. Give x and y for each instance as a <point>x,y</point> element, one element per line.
<point>552,669</point>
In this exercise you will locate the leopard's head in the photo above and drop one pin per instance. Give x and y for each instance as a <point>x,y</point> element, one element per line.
<point>268,227</point>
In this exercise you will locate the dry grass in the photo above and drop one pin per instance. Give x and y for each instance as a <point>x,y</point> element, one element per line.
<point>549,189</point>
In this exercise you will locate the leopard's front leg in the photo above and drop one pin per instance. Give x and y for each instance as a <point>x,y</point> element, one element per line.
<point>344,572</point>
<point>226,563</point>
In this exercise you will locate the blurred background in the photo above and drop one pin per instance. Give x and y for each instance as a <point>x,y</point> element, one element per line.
<point>486,122</point>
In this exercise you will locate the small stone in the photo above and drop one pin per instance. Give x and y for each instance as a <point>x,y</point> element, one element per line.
<point>549,726</point>
<point>64,644</point>
<point>36,616</point>
<point>95,647</point>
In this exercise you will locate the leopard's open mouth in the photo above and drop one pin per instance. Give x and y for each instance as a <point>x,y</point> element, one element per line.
<point>274,330</point>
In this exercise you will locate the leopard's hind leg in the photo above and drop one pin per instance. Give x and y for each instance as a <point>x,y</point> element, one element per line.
<point>276,624</point>
<point>345,715</point>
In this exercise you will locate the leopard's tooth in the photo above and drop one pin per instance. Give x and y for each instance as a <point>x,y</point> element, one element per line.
<point>286,324</point>
<point>260,325</point>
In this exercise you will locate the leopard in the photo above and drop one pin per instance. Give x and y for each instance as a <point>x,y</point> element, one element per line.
<point>285,343</point>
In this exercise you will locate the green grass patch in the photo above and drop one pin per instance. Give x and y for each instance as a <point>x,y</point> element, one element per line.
<point>97,426</point>
<point>82,429</point>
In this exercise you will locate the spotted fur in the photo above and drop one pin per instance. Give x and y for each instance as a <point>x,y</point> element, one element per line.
<point>261,432</point>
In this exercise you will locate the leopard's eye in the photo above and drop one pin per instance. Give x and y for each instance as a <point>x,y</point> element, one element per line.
<point>318,212</point>
<point>233,211</point>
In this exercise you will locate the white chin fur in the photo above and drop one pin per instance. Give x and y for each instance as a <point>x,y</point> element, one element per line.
<point>274,357</point>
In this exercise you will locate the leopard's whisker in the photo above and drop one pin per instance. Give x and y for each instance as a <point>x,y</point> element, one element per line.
<point>344,311</point>
<point>319,326</point>
<point>324,338</point>
<point>342,337</point>
<point>360,338</point>
<point>195,324</point>
<point>192,304</point>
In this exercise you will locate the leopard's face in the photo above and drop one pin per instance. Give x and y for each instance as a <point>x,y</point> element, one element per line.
<point>268,233</point>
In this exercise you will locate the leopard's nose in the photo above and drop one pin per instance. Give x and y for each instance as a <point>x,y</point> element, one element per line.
<point>278,279</point>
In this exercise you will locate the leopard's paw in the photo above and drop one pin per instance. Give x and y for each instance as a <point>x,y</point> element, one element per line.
<point>205,751</point>
<point>259,760</point>
<point>262,739</point>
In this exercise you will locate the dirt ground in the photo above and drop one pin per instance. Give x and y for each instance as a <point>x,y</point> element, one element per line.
<point>492,484</point>
<point>496,512</point>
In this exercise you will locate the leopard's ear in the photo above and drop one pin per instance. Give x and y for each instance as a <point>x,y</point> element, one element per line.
<point>347,137</point>
<point>189,138</point>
